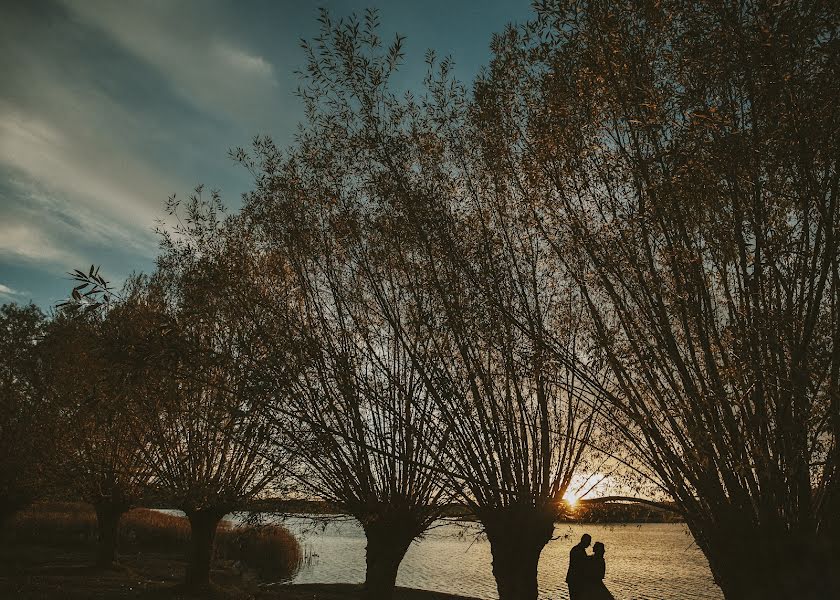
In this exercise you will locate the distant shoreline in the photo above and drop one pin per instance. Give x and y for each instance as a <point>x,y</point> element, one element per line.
<point>584,513</point>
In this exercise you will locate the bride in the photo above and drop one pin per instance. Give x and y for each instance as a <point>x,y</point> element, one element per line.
<point>595,569</point>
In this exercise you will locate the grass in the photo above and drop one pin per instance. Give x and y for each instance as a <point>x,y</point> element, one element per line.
<point>272,551</point>
<point>46,551</point>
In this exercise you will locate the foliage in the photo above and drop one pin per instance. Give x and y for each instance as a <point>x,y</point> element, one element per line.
<point>617,255</point>
<point>414,276</point>
<point>681,160</point>
<point>271,550</point>
<point>93,394</point>
<point>211,444</point>
<point>25,421</point>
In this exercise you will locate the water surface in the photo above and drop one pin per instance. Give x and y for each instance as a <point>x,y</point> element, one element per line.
<point>654,561</point>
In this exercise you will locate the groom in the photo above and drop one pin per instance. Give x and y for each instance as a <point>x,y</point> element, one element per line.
<point>576,575</point>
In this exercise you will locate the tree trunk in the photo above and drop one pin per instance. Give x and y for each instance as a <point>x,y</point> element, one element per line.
<point>773,565</point>
<point>203,524</point>
<point>108,517</point>
<point>8,509</point>
<point>517,536</point>
<point>388,539</point>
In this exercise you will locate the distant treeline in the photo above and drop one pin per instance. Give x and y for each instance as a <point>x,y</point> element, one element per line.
<point>624,512</point>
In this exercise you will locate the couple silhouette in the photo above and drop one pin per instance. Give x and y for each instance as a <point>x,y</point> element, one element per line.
<point>586,572</point>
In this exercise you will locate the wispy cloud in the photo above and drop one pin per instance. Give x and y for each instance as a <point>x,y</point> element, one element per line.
<point>73,193</point>
<point>21,241</point>
<point>107,108</point>
<point>206,68</point>
<point>5,290</point>
<point>249,64</point>
<point>115,108</point>
<point>91,173</point>
<point>48,225</point>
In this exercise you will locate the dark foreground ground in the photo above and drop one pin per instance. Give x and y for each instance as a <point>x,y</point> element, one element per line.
<point>35,571</point>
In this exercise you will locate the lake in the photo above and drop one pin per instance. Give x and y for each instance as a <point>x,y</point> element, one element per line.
<point>654,561</point>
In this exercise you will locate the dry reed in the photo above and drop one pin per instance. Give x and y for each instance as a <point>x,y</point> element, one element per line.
<point>270,550</point>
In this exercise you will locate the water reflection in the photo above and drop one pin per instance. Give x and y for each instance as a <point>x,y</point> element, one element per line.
<point>650,561</point>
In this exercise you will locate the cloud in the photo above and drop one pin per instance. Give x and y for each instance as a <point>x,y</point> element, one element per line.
<point>73,185</point>
<point>7,291</point>
<point>63,220</point>
<point>109,108</point>
<point>89,168</point>
<point>202,65</point>
<point>26,242</point>
<point>247,63</point>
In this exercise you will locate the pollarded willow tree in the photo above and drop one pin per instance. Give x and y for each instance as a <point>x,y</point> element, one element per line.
<point>520,424</point>
<point>211,444</point>
<point>681,158</point>
<point>357,412</point>
<point>100,456</point>
<point>426,254</point>
<point>361,415</point>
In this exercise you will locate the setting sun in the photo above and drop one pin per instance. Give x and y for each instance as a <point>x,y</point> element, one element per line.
<point>570,498</point>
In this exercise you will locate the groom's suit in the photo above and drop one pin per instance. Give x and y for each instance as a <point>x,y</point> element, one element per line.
<point>577,565</point>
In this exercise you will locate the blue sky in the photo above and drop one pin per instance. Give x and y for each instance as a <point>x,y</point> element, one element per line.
<point>108,107</point>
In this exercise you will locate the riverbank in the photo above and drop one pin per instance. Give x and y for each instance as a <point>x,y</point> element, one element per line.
<point>586,511</point>
<point>271,551</point>
<point>29,571</point>
<point>48,551</point>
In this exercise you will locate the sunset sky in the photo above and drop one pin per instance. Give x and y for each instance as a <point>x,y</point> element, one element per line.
<point>107,108</point>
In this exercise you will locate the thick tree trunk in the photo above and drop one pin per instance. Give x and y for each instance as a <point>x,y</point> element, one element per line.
<point>108,517</point>
<point>388,539</point>
<point>8,509</point>
<point>12,499</point>
<point>203,524</point>
<point>773,565</point>
<point>517,537</point>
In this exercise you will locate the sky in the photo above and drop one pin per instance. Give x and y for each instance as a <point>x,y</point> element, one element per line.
<point>109,107</point>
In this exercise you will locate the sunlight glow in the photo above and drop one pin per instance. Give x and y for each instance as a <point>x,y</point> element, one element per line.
<point>571,498</point>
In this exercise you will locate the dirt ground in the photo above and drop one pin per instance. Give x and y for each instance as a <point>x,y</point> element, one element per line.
<point>36,571</point>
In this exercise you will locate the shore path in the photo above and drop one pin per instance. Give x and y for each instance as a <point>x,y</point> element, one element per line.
<point>29,571</point>
<point>344,591</point>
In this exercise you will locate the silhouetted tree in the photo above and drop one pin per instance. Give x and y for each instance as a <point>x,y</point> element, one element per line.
<point>358,411</point>
<point>92,393</point>
<point>211,447</point>
<point>681,159</point>
<point>452,300</point>
<point>208,441</point>
<point>359,417</point>
<point>24,421</point>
